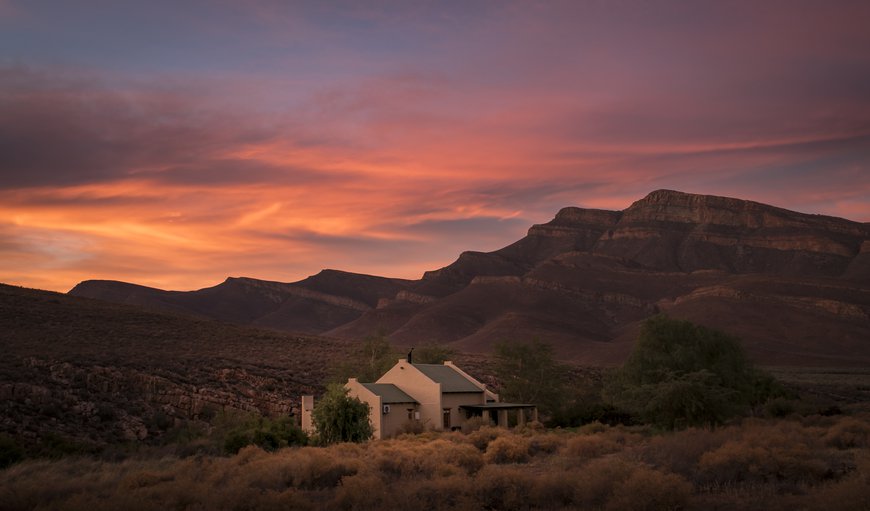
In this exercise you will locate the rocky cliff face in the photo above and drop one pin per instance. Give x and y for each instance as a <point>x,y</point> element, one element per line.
<point>585,279</point>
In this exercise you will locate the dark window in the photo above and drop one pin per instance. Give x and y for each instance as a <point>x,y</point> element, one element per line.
<point>447,418</point>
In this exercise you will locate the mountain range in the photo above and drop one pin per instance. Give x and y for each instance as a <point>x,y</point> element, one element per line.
<point>795,287</point>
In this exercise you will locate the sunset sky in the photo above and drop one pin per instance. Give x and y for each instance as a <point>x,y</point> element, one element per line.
<point>175,143</point>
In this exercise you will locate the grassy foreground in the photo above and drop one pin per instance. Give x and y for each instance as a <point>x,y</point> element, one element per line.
<point>813,462</point>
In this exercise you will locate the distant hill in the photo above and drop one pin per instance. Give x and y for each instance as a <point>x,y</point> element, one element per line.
<point>794,286</point>
<point>326,300</point>
<point>99,373</point>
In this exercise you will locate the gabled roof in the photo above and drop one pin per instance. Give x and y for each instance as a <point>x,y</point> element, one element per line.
<point>450,379</point>
<point>389,393</point>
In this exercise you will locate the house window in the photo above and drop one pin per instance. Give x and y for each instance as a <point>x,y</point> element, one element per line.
<point>447,418</point>
<point>410,414</point>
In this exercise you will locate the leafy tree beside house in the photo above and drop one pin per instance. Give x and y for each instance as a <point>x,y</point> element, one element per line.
<point>681,374</point>
<point>340,418</point>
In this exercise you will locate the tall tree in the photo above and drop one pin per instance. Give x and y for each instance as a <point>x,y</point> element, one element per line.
<point>369,361</point>
<point>529,373</point>
<point>681,374</point>
<point>340,418</point>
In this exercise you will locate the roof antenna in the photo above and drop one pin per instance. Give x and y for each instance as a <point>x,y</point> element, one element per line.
<point>411,356</point>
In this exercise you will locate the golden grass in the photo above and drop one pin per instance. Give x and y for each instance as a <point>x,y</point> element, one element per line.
<point>759,464</point>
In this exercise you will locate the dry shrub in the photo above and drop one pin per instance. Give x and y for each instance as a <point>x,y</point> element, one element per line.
<point>848,433</point>
<point>248,454</point>
<point>144,480</point>
<point>412,427</point>
<point>596,481</point>
<point>395,462</point>
<point>483,436</point>
<point>503,487</point>
<point>403,460</point>
<point>312,468</point>
<point>780,453</point>
<point>555,490</point>
<point>592,428</point>
<point>852,493</point>
<point>475,423</point>
<point>679,452</point>
<point>545,444</point>
<point>362,492</point>
<point>650,490</point>
<point>508,449</point>
<point>449,455</point>
<point>587,447</point>
<point>450,493</point>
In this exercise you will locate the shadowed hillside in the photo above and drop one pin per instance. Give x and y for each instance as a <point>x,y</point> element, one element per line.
<point>95,372</point>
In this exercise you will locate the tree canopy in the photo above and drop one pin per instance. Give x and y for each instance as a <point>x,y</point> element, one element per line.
<point>340,418</point>
<point>371,359</point>
<point>681,374</point>
<point>529,373</point>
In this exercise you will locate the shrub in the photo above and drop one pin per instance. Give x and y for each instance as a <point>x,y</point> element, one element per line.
<point>680,452</point>
<point>449,493</point>
<point>650,490</point>
<point>10,451</point>
<point>848,433</point>
<point>475,423</point>
<point>756,460</point>
<point>590,446</point>
<point>507,449</point>
<point>483,436</point>
<point>503,487</point>
<point>596,480</point>
<point>545,443</point>
<point>361,492</point>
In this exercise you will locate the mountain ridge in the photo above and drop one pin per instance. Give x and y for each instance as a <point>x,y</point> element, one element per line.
<point>585,279</point>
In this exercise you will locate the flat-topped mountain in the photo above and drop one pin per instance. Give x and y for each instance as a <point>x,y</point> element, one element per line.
<point>794,286</point>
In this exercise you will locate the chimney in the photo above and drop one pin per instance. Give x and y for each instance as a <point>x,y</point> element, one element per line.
<point>411,356</point>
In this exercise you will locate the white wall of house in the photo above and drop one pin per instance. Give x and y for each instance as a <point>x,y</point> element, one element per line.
<point>420,387</point>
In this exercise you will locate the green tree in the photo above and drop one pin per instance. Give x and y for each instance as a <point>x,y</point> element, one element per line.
<point>340,418</point>
<point>530,374</point>
<point>369,361</point>
<point>252,429</point>
<point>681,374</point>
<point>433,353</point>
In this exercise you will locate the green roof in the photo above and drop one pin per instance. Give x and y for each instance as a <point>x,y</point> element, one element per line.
<point>450,379</point>
<point>389,393</point>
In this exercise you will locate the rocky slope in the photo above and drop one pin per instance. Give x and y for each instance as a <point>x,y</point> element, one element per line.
<point>97,373</point>
<point>795,286</point>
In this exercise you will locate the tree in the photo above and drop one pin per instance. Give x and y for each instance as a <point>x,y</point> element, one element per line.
<point>432,353</point>
<point>681,374</point>
<point>268,434</point>
<point>339,418</point>
<point>372,358</point>
<point>529,374</point>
